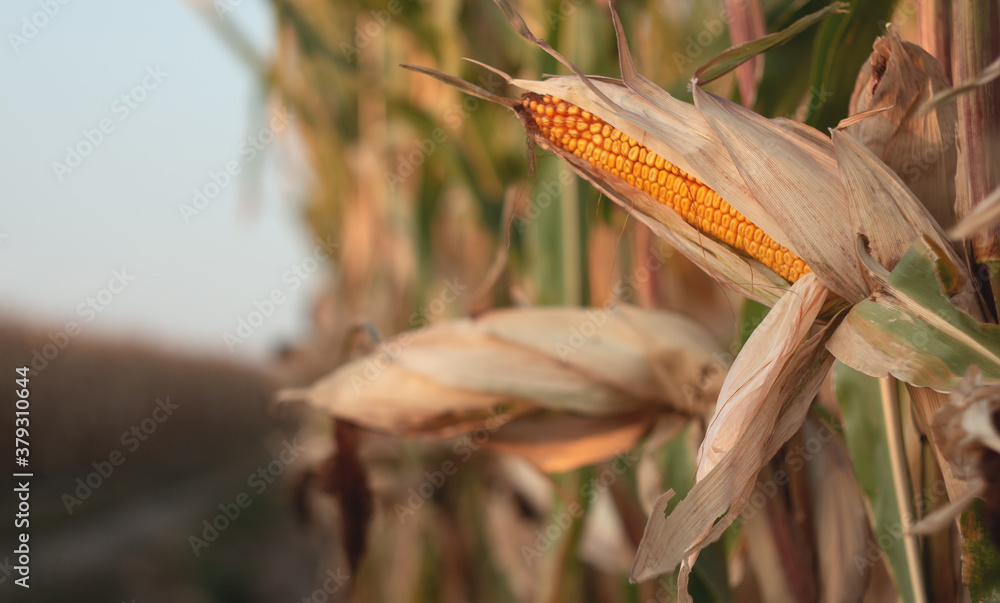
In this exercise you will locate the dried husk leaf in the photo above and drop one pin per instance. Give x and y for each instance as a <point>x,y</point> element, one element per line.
<point>798,183</point>
<point>987,75</point>
<point>919,147</point>
<point>757,368</point>
<point>718,498</point>
<point>887,214</point>
<point>570,385</point>
<point>557,442</point>
<point>631,340</point>
<point>398,401</point>
<point>460,356</point>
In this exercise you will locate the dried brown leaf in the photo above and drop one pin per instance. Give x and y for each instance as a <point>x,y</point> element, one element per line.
<point>839,518</point>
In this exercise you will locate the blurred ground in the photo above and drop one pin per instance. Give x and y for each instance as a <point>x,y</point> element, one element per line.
<point>187,434</point>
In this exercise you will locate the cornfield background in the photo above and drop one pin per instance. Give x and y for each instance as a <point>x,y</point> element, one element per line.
<point>435,208</point>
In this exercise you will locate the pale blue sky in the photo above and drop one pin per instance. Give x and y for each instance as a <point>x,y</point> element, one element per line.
<point>62,240</point>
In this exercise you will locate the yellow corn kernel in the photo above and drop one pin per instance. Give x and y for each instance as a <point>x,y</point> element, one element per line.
<point>589,137</point>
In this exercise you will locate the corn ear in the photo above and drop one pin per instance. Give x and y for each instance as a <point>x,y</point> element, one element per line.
<point>574,385</point>
<point>606,148</point>
<point>795,179</point>
<point>919,147</point>
<point>813,234</point>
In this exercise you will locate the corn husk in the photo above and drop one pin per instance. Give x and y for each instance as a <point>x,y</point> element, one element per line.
<point>569,386</point>
<point>918,146</point>
<point>782,168</point>
<point>861,227</point>
<point>745,390</point>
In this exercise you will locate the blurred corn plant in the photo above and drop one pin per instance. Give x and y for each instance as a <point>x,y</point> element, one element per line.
<point>538,442</point>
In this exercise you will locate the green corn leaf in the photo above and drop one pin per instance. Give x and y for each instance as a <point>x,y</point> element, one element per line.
<point>865,433</point>
<point>910,329</point>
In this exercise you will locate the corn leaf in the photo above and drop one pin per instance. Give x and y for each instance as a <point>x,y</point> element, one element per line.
<point>732,58</point>
<point>843,44</point>
<point>865,434</point>
<point>989,74</point>
<point>909,329</point>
